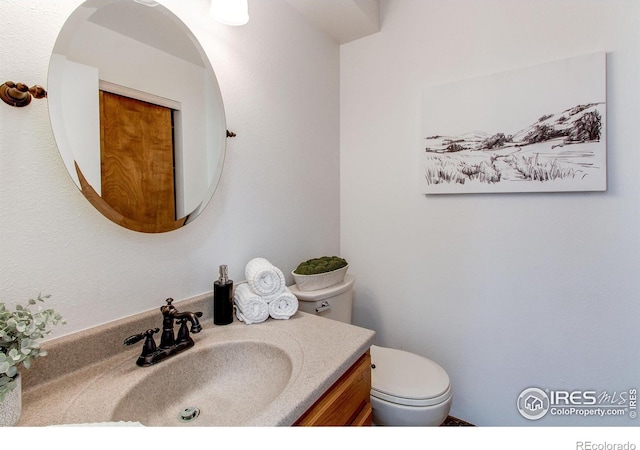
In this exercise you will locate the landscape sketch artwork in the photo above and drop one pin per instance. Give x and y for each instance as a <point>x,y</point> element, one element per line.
<point>538,129</point>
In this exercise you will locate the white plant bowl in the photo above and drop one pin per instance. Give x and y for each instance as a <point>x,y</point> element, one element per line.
<point>321,280</point>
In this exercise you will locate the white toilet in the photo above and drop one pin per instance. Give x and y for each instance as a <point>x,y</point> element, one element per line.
<point>406,389</point>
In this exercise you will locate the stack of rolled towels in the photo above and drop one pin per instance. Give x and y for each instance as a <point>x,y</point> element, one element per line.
<point>264,294</point>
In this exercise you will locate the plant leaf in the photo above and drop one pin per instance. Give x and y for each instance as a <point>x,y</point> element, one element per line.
<point>12,372</point>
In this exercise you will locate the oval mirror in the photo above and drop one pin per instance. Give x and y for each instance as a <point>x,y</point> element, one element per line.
<point>137,113</point>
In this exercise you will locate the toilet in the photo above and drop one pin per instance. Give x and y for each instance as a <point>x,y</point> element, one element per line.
<point>406,389</point>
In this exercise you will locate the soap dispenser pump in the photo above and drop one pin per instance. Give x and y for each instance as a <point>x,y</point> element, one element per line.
<point>223,298</point>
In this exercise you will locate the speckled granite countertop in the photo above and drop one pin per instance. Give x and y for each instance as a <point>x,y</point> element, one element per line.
<point>322,350</point>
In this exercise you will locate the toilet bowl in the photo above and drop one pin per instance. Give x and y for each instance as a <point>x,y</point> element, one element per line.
<point>406,389</point>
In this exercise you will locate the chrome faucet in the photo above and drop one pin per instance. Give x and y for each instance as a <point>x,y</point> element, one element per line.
<point>169,344</point>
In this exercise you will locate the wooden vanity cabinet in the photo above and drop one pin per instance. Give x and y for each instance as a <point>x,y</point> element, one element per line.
<point>347,402</point>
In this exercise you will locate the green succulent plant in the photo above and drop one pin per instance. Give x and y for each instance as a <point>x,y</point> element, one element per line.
<point>20,331</point>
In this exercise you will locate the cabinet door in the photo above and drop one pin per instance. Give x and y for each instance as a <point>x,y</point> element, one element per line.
<point>347,402</point>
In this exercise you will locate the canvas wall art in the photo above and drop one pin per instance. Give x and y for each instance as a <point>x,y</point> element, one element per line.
<point>538,129</point>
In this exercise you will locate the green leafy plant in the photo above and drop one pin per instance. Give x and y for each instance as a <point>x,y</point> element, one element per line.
<point>20,331</point>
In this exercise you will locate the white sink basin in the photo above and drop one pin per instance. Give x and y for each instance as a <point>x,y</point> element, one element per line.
<point>230,377</point>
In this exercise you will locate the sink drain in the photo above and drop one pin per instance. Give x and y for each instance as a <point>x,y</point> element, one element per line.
<point>189,414</point>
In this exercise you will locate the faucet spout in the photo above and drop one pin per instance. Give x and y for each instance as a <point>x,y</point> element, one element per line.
<point>191,317</point>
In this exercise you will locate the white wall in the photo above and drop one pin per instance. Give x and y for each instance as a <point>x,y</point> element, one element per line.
<point>278,197</point>
<point>505,291</point>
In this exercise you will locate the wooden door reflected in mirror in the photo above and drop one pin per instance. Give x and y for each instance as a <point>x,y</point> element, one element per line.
<point>137,160</point>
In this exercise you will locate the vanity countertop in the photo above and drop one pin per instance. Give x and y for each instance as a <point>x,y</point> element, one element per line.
<point>328,349</point>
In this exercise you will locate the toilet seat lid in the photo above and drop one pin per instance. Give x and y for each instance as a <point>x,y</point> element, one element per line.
<point>407,379</point>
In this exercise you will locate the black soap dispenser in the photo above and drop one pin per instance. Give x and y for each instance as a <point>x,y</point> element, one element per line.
<point>223,298</point>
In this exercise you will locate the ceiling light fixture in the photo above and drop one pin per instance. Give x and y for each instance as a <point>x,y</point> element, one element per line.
<point>230,12</point>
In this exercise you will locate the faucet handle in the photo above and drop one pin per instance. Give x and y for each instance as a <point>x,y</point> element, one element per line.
<point>133,339</point>
<point>168,309</point>
<point>148,348</point>
<point>138,337</point>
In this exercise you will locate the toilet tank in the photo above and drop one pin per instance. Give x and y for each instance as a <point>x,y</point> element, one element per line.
<point>334,302</point>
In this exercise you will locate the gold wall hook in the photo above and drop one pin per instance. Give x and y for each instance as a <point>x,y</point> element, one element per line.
<point>19,94</point>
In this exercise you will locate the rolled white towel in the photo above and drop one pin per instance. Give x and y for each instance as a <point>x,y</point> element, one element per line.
<point>264,278</point>
<point>284,305</point>
<point>250,307</point>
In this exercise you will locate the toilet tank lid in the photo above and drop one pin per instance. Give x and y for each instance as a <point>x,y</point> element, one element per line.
<point>406,378</point>
<point>323,294</point>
